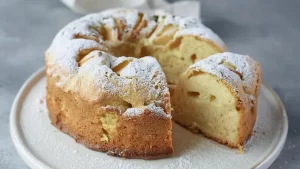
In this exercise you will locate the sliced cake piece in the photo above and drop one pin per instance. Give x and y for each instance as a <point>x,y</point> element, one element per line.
<point>217,96</point>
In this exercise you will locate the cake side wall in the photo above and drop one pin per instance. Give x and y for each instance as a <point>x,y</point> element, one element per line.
<point>145,136</point>
<point>248,118</point>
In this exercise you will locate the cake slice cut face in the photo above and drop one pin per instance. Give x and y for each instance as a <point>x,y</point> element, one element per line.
<point>218,97</point>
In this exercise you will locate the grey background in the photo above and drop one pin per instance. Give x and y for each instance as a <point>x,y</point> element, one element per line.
<point>268,30</point>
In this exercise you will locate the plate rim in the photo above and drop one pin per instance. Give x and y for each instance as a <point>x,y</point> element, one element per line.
<point>27,156</point>
<point>34,162</point>
<point>272,156</point>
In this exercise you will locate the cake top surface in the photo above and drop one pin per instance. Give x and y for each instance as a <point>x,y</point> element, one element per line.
<point>190,26</point>
<point>239,71</point>
<point>78,57</point>
<point>126,82</point>
<point>87,27</point>
<point>83,34</point>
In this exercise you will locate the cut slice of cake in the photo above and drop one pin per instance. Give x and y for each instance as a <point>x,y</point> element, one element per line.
<point>217,96</point>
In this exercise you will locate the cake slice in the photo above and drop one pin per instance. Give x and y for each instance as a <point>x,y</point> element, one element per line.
<point>217,96</point>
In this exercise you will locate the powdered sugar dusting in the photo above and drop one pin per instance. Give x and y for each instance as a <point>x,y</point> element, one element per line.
<point>158,110</point>
<point>141,82</point>
<point>65,48</point>
<point>150,26</point>
<point>76,59</point>
<point>202,32</point>
<point>134,111</point>
<point>244,64</point>
<point>190,26</point>
<point>249,69</point>
<point>115,62</point>
<point>151,107</point>
<point>66,56</point>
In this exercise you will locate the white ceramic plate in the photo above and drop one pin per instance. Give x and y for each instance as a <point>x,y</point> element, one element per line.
<point>43,146</point>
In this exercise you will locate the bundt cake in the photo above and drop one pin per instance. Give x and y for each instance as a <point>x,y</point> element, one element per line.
<point>217,96</point>
<point>117,104</point>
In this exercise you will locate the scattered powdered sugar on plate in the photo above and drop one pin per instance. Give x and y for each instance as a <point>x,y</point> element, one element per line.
<point>42,105</point>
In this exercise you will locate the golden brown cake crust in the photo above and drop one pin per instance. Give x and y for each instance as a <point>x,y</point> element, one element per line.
<point>248,119</point>
<point>147,136</point>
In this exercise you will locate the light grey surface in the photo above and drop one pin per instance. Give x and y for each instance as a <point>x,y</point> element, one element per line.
<point>267,30</point>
